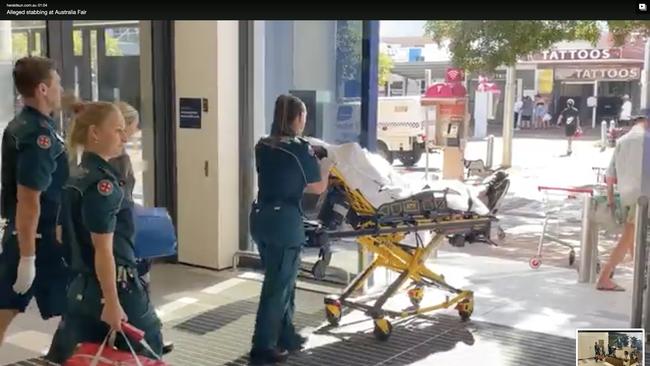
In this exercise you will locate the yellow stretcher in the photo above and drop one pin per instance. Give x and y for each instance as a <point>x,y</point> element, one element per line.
<point>384,241</point>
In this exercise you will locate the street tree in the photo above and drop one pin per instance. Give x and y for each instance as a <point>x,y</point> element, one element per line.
<point>483,46</point>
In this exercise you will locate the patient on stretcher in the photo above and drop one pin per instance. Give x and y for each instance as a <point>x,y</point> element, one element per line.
<point>394,195</point>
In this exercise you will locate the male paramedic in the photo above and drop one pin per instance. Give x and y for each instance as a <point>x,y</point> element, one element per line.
<point>34,170</point>
<point>624,172</point>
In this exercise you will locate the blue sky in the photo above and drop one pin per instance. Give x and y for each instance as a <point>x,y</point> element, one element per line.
<point>401,28</point>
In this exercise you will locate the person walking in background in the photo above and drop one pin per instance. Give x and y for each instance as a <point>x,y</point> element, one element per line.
<point>540,112</point>
<point>517,109</point>
<point>626,112</point>
<point>571,118</point>
<point>624,172</point>
<point>526,112</point>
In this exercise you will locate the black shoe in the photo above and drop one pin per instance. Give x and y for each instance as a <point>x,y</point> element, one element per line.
<point>269,356</point>
<point>168,347</point>
<point>297,344</point>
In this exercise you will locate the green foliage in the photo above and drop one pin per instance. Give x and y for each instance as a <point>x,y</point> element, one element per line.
<point>622,29</point>
<point>482,46</point>
<point>349,46</point>
<point>385,66</point>
<point>348,43</point>
<point>19,44</point>
<point>112,44</point>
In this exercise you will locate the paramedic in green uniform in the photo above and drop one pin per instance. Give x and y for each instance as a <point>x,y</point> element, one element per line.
<point>98,226</point>
<point>287,167</point>
<point>34,170</point>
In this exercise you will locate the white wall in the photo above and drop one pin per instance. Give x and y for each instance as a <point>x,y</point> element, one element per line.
<point>208,204</point>
<point>228,140</point>
<point>586,343</point>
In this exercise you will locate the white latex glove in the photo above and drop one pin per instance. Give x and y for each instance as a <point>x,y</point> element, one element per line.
<point>25,275</point>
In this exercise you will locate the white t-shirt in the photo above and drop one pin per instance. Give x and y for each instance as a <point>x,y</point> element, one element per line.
<point>518,105</point>
<point>626,111</point>
<point>627,165</point>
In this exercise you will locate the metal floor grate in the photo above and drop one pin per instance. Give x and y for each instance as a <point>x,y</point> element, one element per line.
<point>221,336</point>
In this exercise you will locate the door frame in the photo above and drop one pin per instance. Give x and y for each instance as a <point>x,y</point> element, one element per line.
<point>156,45</point>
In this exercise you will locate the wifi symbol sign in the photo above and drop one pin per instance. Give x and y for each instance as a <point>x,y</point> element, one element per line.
<point>453,75</point>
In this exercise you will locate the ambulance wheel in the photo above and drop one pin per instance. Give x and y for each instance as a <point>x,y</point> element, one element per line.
<point>384,152</point>
<point>572,257</point>
<point>416,295</point>
<point>535,262</point>
<point>412,157</point>
<point>501,234</point>
<point>333,311</point>
<point>383,329</point>
<point>465,309</point>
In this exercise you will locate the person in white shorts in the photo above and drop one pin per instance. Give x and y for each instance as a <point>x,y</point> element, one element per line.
<point>625,171</point>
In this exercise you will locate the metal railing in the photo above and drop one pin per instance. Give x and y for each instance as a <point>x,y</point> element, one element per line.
<point>490,152</point>
<point>641,287</point>
<point>588,244</point>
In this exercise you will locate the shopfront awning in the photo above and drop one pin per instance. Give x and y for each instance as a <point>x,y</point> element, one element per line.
<point>416,70</point>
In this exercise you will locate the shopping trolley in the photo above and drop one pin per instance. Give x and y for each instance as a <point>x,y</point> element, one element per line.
<point>601,175</point>
<point>561,206</point>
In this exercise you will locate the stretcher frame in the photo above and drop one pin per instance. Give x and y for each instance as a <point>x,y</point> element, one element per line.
<point>384,242</point>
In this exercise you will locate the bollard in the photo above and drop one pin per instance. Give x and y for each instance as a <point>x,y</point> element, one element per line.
<point>612,125</point>
<point>586,243</point>
<point>490,152</point>
<point>603,133</point>
<point>640,262</point>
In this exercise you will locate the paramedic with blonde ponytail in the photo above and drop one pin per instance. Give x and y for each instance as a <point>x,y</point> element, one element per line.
<point>98,226</point>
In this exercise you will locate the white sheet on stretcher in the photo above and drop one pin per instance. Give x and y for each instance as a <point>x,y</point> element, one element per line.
<point>380,183</point>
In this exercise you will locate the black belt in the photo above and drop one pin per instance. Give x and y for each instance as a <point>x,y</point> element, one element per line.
<point>276,204</point>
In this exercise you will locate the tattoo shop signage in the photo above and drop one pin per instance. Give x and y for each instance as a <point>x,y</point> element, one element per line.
<point>578,54</point>
<point>598,73</point>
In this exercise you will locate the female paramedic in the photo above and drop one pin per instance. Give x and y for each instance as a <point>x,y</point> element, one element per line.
<point>287,166</point>
<point>122,164</point>
<point>98,226</point>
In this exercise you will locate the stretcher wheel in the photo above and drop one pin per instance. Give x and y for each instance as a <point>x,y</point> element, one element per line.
<point>457,240</point>
<point>465,309</point>
<point>416,295</point>
<point>333,311</point>
<point>572,257</point>
<point>501,234</point>
<point>535,262</point>
<point>383,329</point>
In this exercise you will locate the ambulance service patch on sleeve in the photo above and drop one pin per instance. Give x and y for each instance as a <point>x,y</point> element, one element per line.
<point>105,187</point>
<point>44,142</point>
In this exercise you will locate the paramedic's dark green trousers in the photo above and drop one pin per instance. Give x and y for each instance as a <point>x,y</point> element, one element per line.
<point>274,323</point>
